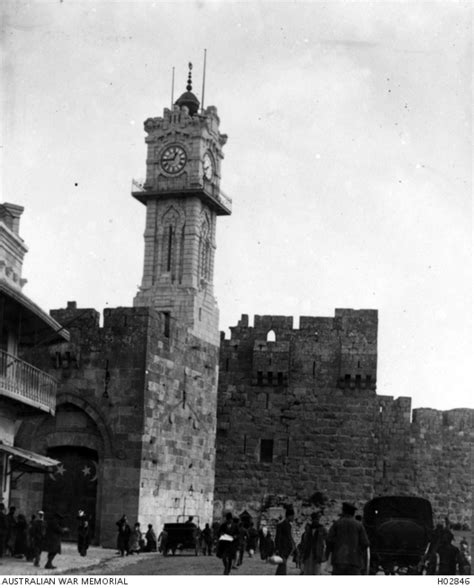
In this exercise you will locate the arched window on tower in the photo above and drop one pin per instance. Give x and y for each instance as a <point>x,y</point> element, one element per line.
<point>181,255</point>
<point>271,336</point>
<point>169,248</point>
<point>170,241</point>
<point>205,251</point>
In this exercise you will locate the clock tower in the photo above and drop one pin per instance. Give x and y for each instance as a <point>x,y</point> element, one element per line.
<point>183,198</point>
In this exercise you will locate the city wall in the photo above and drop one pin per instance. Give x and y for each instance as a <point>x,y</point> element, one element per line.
<point>299,420</point>
<point>141,393</point>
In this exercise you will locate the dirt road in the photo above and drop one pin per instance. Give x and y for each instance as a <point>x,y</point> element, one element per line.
<point>154,564</point>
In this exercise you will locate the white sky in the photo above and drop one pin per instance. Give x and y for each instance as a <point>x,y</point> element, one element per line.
<point>349,161</point>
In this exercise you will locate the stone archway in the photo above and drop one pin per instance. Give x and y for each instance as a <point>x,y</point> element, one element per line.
<point>72,486</point>
<point>77,442</point>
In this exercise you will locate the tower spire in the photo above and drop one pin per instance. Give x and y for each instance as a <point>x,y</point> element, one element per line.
<point>188,99</point>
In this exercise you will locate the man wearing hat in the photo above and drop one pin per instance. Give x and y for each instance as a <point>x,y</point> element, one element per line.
<point>347,543</point>
<point>284,543</point>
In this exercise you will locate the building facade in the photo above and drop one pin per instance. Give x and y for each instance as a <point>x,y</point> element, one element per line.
<point>25,390</point>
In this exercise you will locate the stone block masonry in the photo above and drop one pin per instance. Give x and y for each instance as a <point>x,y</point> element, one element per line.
<point>141,393</point>
<point>298,415</point>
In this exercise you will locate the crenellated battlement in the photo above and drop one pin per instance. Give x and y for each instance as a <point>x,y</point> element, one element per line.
<point>363,320</point>
<point>339,351</point>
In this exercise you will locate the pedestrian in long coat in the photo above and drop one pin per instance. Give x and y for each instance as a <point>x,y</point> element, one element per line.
<point>123,537</point>
<point>150,537</point>
<point>207,540</point>
<point>347,543</point>
<point>37,537</point>
<point>83,533</point>
<point>21,537</point>
<point>284,543</point>
<point>135,539</point>
<point>266,544</point>
<point>241,542</point>
<point>227,543</point>
<point>52,541</point>
<point>11,531</point>
<point>313,546</point>
<point>252,539</point>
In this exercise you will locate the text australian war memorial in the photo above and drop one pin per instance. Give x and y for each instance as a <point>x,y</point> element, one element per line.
<point>157,415</point>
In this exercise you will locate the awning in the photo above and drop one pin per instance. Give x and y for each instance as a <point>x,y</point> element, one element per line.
<point>35,321</point>
<point>28,461</point>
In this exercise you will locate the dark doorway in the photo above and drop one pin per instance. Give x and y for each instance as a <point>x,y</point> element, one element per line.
<point>72,486</point>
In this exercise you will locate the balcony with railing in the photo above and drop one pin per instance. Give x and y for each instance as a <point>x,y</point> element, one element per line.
<point>26,384</point>
<point>208,192</point>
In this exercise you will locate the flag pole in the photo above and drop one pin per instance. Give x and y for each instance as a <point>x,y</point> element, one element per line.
<point>172,88</point>
<point>203,81</point>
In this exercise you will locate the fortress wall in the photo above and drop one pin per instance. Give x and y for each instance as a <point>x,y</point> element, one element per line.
<point>178,461</point>
<point>308,395</point>
<point>289,395</point>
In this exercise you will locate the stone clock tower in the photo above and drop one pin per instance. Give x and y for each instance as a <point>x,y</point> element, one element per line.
<point>183,198</point>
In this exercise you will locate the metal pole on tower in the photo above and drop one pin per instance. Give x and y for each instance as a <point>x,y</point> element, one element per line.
<point>172,89</point>
<point>203,81</point>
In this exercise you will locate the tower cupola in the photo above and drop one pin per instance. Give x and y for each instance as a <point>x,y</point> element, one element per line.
<point>188,99</point>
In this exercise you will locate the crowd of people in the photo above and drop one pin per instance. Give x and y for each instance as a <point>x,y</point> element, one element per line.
<point>28,539</point>
<point>131,541</point>
<point>345,545</point>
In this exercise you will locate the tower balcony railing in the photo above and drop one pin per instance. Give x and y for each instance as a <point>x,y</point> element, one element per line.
<point>141,188</point>
<point>27,384</point>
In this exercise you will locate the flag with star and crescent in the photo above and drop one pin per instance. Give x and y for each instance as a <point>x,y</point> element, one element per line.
<point>72,486</point>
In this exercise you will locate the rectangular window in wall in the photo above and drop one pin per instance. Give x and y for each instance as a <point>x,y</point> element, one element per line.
<point>167,324</point>
<point>266,450</point>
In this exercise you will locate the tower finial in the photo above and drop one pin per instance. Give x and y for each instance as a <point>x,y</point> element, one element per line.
<point>189,87</point>
<point>188,99</point>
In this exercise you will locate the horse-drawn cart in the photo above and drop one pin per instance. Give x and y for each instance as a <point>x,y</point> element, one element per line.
<point>181,536</point>
<point>399,530</point>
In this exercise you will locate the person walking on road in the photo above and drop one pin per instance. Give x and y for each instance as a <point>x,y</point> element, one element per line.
<point>347,543</point>
<point>83,533</point>
<point>150,537</point>
<point>284,543</point>
<point>123,536</point>
<point>207,540</point>
<point>227,543</point>
<point>54,532</point>
<point>37,537</point>
<point>313,546</point>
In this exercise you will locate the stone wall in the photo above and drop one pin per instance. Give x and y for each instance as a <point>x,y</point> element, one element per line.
<point>141,392</point>
<point>298,416</point>
<point>294,413</point>
<point>426,452</point>
<point>178,460</point>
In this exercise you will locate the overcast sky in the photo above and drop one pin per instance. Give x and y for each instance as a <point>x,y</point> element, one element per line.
<point>349,161</point>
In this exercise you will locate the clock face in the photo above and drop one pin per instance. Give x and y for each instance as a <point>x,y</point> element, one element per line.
<point>173,159</point>
<point>207,166</point>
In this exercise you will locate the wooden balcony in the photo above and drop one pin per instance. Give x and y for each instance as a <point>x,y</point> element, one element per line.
<point>26,384</point>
